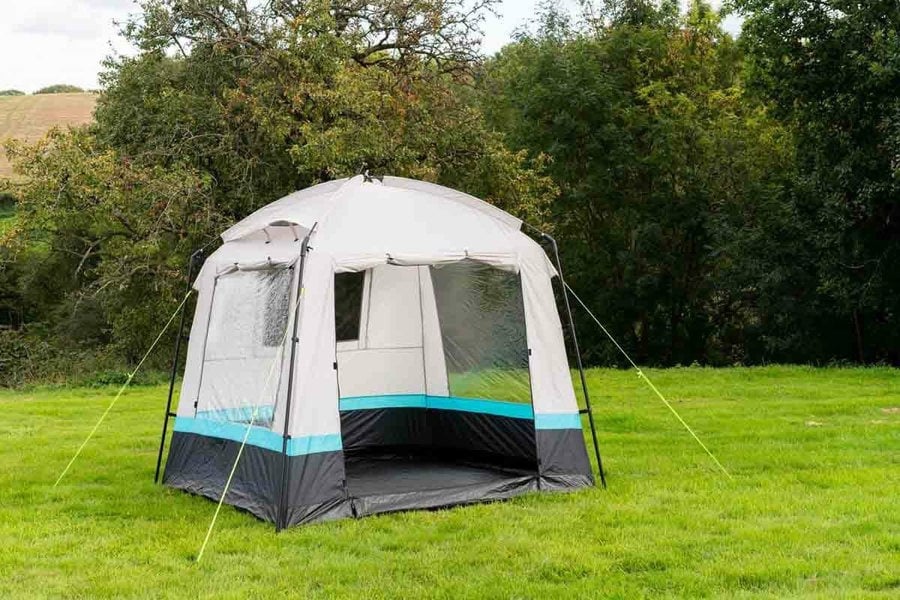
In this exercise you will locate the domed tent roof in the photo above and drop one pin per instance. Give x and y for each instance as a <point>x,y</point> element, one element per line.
<point>359,221</point>
<point>308,206</point>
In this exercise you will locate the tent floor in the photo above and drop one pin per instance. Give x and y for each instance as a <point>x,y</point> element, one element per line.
<point>380,484</point>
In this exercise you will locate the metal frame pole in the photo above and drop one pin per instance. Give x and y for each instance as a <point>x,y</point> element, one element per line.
<point>587,397</point>
<point>281,518</point>
<point>169,414</point>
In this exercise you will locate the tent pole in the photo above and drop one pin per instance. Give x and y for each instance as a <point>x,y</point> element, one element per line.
<point>281,519</point>
<point>162,441</point>
<point>587,397</point>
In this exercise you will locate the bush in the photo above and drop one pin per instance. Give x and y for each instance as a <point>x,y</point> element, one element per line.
<point>60,88</point>
<point>26,358</point>
<point>12,93</point>
<point>13,358</point>
<point>7,204</point>
<point>118,377</point>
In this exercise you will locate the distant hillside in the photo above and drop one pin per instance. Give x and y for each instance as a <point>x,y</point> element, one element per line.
<point>60,88</point>
<point>30,117</point>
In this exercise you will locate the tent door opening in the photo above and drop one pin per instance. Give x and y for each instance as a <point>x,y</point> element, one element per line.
<point>435,395</point>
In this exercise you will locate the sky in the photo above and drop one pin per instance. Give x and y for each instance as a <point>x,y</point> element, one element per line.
<point>43,42</point>
<point>514,13</point>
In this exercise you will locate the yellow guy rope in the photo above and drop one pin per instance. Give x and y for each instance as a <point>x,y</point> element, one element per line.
<point>650,383</point>
<point>122,389</point>
<point>275,362</point>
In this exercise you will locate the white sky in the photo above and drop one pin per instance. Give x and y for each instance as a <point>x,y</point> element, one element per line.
<point>514,13</point>
<point>43,42</point>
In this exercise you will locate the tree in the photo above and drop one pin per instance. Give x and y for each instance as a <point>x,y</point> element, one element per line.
<point>11,93</point>
<point>269,98</point>
<point>227,106</point>
<point>98,239</point>
<point>832,69</point>
<point>661,161</point>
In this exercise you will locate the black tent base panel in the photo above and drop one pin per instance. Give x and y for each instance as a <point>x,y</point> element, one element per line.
<point>201,465</point>
<point>325,486</point>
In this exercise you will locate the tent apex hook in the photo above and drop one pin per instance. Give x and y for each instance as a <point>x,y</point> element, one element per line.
<point>369,178</point>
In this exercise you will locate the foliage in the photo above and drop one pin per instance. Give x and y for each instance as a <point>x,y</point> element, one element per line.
<point>27,357</point>
<point>670,177</point>
<point>97,240</point>
<point>7,204</point>
<point>716,201</point>
<point>226,107</point>
<point>12,93</point>
<point>811,514</point>
<point>274,98</point>
<point>60,88</point>
<point>832,70</point>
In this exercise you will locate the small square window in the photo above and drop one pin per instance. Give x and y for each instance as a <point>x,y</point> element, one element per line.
<point>348,296</point>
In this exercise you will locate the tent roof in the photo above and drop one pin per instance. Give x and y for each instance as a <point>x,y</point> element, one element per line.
<point>312,205</point>
<point>362,222</point>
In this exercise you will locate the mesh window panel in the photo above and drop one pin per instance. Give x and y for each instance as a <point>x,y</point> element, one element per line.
<point>482,320</point>
<point>276,293</point>
<point>245,346</point>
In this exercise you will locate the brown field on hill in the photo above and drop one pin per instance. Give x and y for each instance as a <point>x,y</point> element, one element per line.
<point>30,117</point>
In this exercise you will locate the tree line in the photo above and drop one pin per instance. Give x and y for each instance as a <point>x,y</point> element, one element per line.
<point>716,200</point>
<point>57,88</point>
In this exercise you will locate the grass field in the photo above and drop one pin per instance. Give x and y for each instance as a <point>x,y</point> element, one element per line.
<point>813,511</point>
<point>30,117</point>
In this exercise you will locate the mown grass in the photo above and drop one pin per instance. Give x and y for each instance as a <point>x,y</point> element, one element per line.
<point>30,117</point>
<point>812,512</point>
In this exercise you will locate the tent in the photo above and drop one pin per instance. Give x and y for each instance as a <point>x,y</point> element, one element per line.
<point>374,345</point>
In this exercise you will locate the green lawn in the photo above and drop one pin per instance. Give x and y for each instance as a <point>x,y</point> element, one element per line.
<point>813,512</point>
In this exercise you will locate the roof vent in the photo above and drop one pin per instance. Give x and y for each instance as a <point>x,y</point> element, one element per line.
<point>282,223</point>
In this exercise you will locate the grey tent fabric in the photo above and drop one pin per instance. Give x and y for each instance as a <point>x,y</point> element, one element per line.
<point>428,367</point>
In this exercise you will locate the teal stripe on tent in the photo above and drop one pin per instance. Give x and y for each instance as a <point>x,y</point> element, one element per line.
<point>485,407</point>
<point>558,421</point>
<point>472,405</point>
<point>389,401</point>
<point>270,440</point>
<point>259,437</point>
<point>235,432</point>
<point>313,444</point>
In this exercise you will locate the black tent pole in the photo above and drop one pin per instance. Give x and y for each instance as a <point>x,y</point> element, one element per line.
<point>281,517</point>
<point>587,397</point>
<point>169,414</point>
